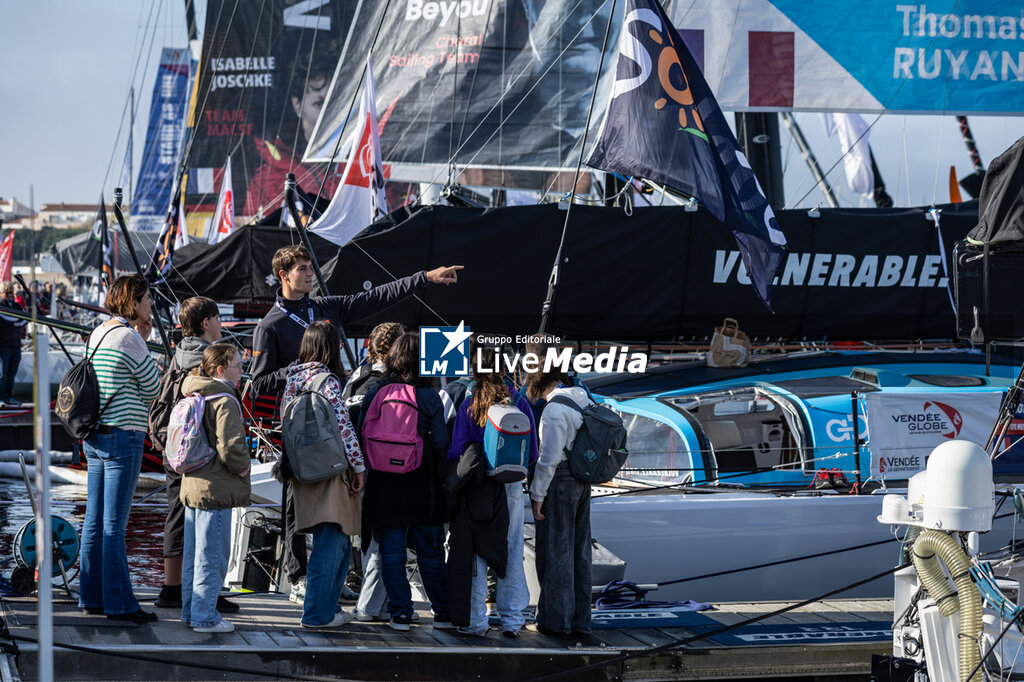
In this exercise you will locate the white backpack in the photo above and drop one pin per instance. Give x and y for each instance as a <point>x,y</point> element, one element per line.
<point>187,447</point>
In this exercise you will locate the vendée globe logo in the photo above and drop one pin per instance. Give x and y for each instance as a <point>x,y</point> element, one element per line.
<point>445,352</point>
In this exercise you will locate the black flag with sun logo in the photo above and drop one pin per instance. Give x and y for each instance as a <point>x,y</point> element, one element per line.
<point>663,124</point>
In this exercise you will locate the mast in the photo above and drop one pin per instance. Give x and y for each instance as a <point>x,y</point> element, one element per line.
<point>758,135</point>
<point>190,20</point>
<point>812,162</point>
<point>556,268</point>
<point>971,183</point>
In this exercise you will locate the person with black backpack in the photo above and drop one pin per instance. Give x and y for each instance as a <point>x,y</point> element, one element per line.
<point>372,602</point>
<point>326,503</point>
<point>128,382</point>
<point>405,443</point>
<point>561,510</point>
<point>200,327</point>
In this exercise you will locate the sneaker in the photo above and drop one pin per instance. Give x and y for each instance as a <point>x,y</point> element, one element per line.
<point>223,626</point>
<point>340,618</point>
<point>443,624</point>
<point>13,402</point>
<point>298,592</point>
<point>400,623</point>
<point>224,605</point>
<point>472,633</point>
<point>370,617</point>
<point>348,595</point>
<point>511,634</point>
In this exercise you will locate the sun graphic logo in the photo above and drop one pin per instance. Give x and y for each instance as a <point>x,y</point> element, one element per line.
<point>444,351</point>
<point>953,422</point>
<point>677,88</point>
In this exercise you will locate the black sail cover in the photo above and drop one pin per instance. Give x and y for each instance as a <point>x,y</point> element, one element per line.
<point>660,273</point>
<point>1001,204</point>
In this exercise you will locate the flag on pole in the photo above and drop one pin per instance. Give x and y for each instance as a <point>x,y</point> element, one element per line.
<point>360,199</point>
<point>853,141</point>
<point>168,240</point>
<point>224,217</point>
<point>101,233</point>
<point>663,124</point>
<point>181,236</point>
<point>6,257</point>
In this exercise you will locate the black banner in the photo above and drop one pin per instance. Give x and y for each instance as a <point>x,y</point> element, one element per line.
<point>850,274</point>
<point>490,84</point>
<point>265,71</point>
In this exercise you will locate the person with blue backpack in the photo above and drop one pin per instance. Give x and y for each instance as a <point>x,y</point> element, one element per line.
<point>326,504</point>
<point>495,423</point>
<point>405,444</point>
<point>211,490</point>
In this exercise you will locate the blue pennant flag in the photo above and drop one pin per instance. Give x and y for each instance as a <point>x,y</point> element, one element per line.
<point>663,124</point>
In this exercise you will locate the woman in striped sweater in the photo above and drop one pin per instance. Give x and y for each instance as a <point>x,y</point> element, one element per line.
<point>128,382</point>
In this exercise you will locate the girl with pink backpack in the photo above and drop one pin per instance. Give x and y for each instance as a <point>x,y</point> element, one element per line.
<point>405,441</point>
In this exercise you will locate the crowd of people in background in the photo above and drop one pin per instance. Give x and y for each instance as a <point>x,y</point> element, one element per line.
<point>429,501</point>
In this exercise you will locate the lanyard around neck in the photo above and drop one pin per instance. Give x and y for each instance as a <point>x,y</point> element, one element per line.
<point>298,320</point>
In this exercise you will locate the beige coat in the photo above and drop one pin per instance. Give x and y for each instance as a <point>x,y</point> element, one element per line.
<point>224,482</point>
<point>327,502</point>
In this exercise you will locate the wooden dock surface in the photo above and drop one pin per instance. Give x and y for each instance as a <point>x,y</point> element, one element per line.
<point>819,641</point>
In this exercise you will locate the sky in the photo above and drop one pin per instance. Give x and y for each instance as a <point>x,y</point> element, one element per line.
<point>66,67</point>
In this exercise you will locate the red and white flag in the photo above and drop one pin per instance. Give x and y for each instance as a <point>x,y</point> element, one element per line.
<point>6,257</point>
<point>360,199</point>
<point>224,217</point>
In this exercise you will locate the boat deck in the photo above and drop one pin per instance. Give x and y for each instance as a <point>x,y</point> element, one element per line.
<point>823,640</point>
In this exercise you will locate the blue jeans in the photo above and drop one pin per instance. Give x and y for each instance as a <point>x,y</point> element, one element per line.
<point>326,571</point>
<point>10,359</point>
<point>113,460</point>
<point>372,596</point>
<point>429,543</point>
<point>204,564</point>
<point>513,594</point>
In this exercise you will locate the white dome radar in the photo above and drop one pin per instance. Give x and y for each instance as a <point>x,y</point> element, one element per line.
<point>960,494</point>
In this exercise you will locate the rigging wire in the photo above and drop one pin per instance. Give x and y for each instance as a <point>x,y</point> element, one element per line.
<point>536,82</point>
<point>135,71</point>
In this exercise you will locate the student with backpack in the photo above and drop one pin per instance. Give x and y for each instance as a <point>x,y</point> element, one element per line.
<point>498,420</point>
<point>372,597</point>
<point>200,327</point>
<point>276,340</point>
<point>406,446</point>
<point>128,381</point>
<point>210,491</point>
<point>561,510</point>
<point>327,504</point>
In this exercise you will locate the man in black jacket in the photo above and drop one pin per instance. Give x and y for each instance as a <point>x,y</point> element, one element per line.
<point>12,330</point>
<point>276,341</point>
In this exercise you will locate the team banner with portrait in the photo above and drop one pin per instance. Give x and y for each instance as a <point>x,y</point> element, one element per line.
<point>489,84</point>
<point>904,428</point>
<point>264,73</point>
<point>941,56</point>
<point>162,151</point>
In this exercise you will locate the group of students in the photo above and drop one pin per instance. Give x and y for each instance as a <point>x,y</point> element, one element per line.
<point>296,352</point>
